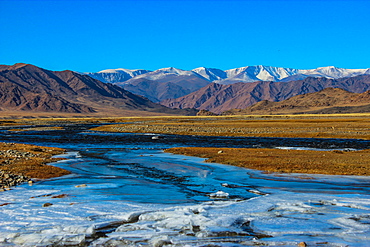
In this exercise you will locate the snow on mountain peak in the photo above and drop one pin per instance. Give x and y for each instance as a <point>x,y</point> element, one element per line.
<point>258,73</point>
<point>173,70</point>
<point>333,72</point>
<point>210,74</point>
<point>242,74</point>
<point>113,70</point>
<point>326,67</point>
<point>165,72</point>
<point>117,75</point>
<point>128,71</point>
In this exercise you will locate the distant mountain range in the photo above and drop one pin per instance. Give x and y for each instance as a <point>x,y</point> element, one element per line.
<point>218,98</point>
<point>155,85</point>
<point>170,83</point>
<point>25,87</point>
<point>243,74</point>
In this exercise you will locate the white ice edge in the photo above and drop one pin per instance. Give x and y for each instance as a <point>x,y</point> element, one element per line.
<point>317,149</point>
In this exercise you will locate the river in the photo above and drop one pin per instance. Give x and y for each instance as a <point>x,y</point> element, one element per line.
<point>125,191</point>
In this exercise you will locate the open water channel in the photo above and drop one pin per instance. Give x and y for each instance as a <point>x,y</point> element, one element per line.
<point>125,191</point>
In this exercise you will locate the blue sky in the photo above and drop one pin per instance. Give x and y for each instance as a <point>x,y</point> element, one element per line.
<point>89,36</point>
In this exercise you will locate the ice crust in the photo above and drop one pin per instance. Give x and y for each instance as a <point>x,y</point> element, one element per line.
<point>277,215</point>
<point>345,220</point>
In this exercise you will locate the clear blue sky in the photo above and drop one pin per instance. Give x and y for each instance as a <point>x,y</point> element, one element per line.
<point>89,36</point>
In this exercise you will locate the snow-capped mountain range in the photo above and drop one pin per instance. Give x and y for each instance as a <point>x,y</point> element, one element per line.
<point>116,75</point>
<point>243,74</point>
<point>170,83</point>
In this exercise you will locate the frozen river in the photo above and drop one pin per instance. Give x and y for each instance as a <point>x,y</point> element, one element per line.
<point>124,191</point>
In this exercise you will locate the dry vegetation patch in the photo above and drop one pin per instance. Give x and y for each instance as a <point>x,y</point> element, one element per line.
<point>286,161</point>
<point>30,160</point>
<point>336,126</point>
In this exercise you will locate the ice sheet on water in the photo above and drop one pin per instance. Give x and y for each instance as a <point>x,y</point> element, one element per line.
<point>68,155</point>
<point>67,221</point>
<point>317,149</point>
<point>279,214</point>
<point>327,217</point>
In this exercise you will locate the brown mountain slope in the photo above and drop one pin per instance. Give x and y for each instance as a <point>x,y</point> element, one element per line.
<point>219,98</point>
<point>169,87</point>
<point>154,90</point>
<point>24,87</point>
<point>329,100</point>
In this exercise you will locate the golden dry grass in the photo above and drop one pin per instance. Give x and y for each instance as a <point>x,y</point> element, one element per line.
<point>286,161</point>
<point>333,126</point>
<point>30,160</point>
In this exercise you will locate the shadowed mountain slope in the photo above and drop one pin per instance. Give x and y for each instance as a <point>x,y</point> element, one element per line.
<point>165,84</point>
<point>25,87</point>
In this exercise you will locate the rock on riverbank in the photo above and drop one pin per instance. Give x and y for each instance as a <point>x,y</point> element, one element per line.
<point>8,179</point>
<point>21,162</point>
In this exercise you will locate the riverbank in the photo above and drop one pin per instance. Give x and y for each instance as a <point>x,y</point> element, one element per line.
<point>20,163</point>
<point>345,126</point>
<point>285,160</point>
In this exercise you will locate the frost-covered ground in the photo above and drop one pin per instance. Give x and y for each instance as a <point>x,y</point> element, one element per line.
<point>182,201</point>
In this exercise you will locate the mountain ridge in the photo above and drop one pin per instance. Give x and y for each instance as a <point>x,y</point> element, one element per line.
<point>328,100</point>
<point>242,74</point>
<point>218,98</point>
<point>170,82</point>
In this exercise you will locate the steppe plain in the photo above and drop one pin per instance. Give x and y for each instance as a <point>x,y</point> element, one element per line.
<point>347,126</point>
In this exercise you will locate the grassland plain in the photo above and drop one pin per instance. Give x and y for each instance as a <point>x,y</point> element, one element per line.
<point>306,126</point>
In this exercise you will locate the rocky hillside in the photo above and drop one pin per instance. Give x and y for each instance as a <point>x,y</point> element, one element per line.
<point>219,98</point>
<point>25,87</point>
<point>168,83</point>
<point>329,100</point>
